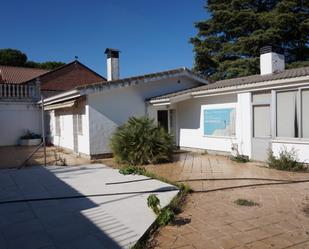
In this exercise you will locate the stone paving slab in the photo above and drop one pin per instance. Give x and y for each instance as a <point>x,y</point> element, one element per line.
<point>111,221</point>
<point>215,221</point>
<point>206,172</point>
<point>211,220</point>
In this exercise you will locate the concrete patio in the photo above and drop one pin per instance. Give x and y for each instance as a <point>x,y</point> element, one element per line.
<point>90,206</point>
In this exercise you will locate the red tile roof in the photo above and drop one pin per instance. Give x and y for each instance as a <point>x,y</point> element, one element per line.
<point>17,75</point>
<point>68,77</point>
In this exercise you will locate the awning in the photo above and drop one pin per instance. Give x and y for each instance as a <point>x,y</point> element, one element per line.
<point>60,105</point>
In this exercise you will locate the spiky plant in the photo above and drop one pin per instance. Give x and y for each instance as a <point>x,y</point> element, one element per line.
<point>140,141</point>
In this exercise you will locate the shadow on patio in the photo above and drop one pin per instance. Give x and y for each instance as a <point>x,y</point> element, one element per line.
<point>51,208</point>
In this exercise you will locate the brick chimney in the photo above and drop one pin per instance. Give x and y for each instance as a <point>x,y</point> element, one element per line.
<point>271,60</point>
<point>112,63</point>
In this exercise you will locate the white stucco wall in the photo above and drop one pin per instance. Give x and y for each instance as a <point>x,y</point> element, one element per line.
<point>109,109</point>
<point>189,118</point>
<point>300,147</point>
<point>16,119</point>
<point>65,140</point>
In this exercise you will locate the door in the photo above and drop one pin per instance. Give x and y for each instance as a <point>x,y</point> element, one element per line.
<point>163,119</point>
<point>261,141</point>
<point>75,133</point>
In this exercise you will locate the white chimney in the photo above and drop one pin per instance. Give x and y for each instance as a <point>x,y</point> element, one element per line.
<point>271,60</point>
<point>112,64</point>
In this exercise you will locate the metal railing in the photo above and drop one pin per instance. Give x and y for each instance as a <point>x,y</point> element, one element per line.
<point>17,91</point>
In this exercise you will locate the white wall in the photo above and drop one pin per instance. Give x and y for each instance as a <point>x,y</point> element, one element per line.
<point>15,119</point>
<point>190,122</point>
<point>109,109</point>
<point>65,139</point>
<point>301,149</point>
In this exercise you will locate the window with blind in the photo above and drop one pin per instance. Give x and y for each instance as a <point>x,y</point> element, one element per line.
<point>305,112</point>
<point>287,110</point>
<point>80,124</point>
<point>57,126</point>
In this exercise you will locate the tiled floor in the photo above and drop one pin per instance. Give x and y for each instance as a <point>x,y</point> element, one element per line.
<point>212,219</point>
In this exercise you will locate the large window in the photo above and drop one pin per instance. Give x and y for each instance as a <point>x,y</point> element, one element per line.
<point>287,114</point>
<point>293,114</point>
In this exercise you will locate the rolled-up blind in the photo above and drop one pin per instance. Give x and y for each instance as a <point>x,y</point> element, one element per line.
<point>287,114</point>
<point>305,113</point>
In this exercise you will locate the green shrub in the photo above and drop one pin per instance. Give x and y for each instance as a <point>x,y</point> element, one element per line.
<point>154,203</point>
<point>245,202</point>
<point>140,141</point>
<point>166,216</point>
<point>30,135</point>
<point>287,160</point>
<point>132,170</point>
<point>240,158</point>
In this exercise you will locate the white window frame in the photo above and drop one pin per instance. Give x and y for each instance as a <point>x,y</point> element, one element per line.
<point>299,114</point>
<point>261,103</point>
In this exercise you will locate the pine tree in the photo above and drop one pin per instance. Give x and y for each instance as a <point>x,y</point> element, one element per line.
<point>227,44</point>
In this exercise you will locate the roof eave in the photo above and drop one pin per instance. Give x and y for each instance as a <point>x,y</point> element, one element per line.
<point>265,85</point>
<point>252,86</point>
<point>72,94</point>
<point>139,80</point>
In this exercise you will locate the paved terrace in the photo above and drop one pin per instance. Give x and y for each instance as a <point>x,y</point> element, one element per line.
<point>210,172</point>
<point>211,220</point>
<point>90,206</point>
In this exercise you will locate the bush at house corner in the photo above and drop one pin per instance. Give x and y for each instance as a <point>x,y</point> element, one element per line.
<point>140,141</point>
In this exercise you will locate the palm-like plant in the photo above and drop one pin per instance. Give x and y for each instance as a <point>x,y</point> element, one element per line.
<point>140,141</point>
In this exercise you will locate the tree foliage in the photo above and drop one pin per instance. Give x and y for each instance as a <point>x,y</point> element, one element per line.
<point>227,44</point>
<point>140,141</point>
<point>14,57</point>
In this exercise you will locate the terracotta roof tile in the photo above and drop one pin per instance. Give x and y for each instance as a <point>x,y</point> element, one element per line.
<point>17,75</point>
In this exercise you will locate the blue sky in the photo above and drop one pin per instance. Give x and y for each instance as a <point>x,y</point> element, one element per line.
<point>152,35</point>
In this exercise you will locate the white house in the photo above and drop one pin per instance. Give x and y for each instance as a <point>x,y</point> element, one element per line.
<point>83,119</point>
<point>248,114</point>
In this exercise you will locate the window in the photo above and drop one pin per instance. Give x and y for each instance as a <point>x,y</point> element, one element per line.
<point>287,120</point>
<point>261,121</point>
<point>57,126</point>
<point>305,112</point>
<point>219,122</point>
<point>80,124</point>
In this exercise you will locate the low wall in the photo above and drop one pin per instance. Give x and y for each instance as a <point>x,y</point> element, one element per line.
<point>300,147</point>
<point>15,119</point>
